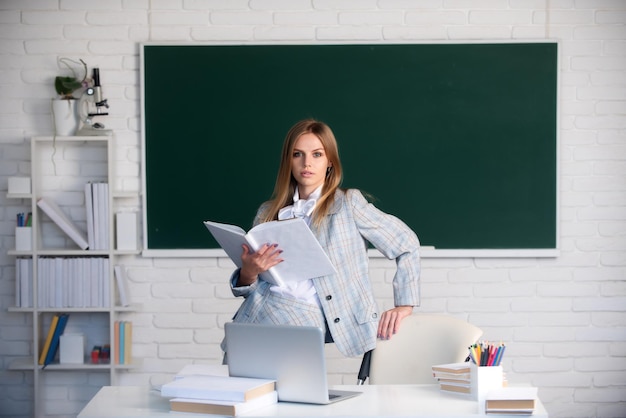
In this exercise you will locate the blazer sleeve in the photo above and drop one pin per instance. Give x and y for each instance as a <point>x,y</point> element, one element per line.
<point>396,241</point>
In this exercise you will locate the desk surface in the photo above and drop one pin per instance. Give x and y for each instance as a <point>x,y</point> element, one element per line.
<point>376,401</point>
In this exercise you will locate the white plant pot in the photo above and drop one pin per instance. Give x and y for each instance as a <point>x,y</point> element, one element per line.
<point>65,116</point>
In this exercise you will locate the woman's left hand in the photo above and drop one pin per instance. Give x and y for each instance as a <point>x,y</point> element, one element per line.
<point>390,321</point>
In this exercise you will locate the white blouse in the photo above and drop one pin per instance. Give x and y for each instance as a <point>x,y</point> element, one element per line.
<point>302,290</point>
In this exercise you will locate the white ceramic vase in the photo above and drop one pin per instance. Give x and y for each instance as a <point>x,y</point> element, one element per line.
<point>65,116</point>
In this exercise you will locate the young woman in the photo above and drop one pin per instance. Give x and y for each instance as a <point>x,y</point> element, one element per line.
<point>343,221</point>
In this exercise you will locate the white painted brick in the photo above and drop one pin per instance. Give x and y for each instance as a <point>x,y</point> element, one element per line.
<point>63,48</point>
<point>559,17</point>
<point>436,18</point>
<point>240,18</point>
<point>107,33</point>
<point>614,47</point>
<point>48,18</point>
<point>611,108</point>
<point>91,4</point>
<point>7,16</point>
<point>274,5</point>
<point>610,17</point>
<point>546,304</point>
<point>604,32</point>
<point>410,5</point>
<point>29,32</point>
<point>137,4</point>
<point>370,18</point>
<point>500,17</point>
<point>230,33</point>
<point>479,32</point>
<point>306,18</point>
<point>278,34</point>
<point>605,304</point>
<point>344,4</point>
<point>613,259</point>
<point>606,152</point>
<point>476,4</point>
<point>543,335</point>
<point>169,33</point>
<point>179,18</point>
<point>612,229</point>
<point>437,32</point>
<point>215,4</point>
<point>574,350</point>
<point>348,33</point>
<point>122,18</point>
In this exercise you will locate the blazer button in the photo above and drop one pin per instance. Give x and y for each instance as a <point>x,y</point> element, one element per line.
<point>337,320</point>
<point>374,315</point>
<point>329,297</point>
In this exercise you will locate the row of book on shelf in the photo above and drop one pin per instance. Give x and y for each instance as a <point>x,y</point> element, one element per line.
<point>123,334</point>
<point>204,389</point>
<point>68,282</point>
<point>97,216</point>
<point>50,347</point>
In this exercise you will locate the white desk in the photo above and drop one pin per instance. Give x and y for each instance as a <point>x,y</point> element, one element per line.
<point>376,401</point>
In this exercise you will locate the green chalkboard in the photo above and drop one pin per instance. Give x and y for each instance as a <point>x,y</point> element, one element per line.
<point>458,140</point>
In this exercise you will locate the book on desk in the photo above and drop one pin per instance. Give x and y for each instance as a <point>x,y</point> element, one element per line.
<point>197,388</point>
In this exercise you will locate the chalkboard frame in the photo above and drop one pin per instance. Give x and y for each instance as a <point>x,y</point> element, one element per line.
<point>545,251</point>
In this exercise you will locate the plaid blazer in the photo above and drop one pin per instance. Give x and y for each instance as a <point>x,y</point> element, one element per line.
<point>347,299</point>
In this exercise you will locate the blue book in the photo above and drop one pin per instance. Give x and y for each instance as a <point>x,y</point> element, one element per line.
<point>54,344</point>
<point>122,341</point>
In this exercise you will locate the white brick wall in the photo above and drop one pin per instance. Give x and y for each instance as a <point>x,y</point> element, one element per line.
<point>563,318</point>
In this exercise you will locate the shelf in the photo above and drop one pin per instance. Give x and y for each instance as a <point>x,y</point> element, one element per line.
<point>92,159</point>
<point>93,138</point>
<point>131,308</point>
<point>26,363</point>
<point>19,195</point>
<point>125,195</point>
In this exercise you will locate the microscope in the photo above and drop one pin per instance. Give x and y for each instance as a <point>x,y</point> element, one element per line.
<point>91,105</point>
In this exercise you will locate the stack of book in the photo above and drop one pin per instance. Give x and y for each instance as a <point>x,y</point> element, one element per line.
<point>220,395</point>
<point>511,400</point>
<point>453,377</point>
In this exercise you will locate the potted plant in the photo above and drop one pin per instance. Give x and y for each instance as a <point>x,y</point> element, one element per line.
<point>64,111</point>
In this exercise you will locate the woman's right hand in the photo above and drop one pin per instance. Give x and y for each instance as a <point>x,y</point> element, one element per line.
<point>255,263</point>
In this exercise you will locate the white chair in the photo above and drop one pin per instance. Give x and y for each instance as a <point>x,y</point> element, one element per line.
<point>422,341</point>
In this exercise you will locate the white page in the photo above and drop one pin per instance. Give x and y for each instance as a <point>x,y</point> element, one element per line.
<point>303,256</point>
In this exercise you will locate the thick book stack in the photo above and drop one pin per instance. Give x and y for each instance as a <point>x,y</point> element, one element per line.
<point>511,401</point>
<point>220,395</point>
<point>453,377</point>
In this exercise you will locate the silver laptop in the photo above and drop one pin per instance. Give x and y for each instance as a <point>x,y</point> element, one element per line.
<point>292,355</point>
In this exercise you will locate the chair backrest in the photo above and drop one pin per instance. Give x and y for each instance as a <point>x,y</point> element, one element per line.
<point>422,341</point>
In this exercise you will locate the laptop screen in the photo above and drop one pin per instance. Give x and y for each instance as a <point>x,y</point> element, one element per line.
<point>293,355</point>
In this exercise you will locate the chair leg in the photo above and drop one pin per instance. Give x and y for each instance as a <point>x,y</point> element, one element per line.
<point>364,371</point>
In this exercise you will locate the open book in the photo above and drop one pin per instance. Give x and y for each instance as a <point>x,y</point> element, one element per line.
<point>303,255</point>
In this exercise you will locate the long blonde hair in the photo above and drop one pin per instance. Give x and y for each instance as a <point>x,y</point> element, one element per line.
<point>286,184</point>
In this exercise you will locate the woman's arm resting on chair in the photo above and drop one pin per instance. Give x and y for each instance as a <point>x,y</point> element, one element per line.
<point>390,321</point>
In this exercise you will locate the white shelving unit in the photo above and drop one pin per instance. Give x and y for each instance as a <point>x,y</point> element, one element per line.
<point>60,168</point>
